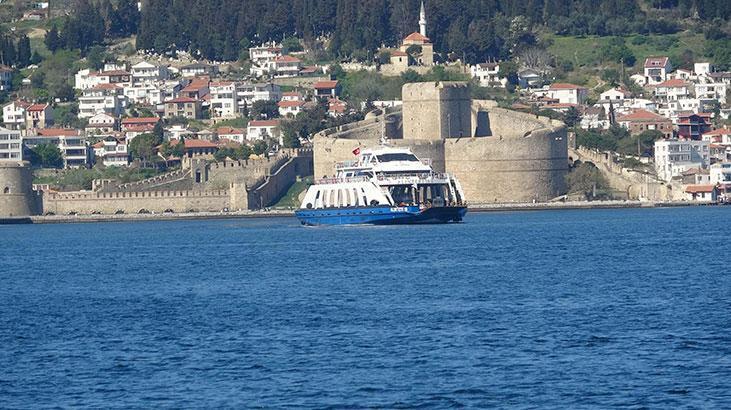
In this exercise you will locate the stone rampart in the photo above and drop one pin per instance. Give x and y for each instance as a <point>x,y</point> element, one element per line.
<point>135,202</point>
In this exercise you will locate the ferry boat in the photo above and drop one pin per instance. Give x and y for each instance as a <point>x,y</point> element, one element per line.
<point>384,185</point>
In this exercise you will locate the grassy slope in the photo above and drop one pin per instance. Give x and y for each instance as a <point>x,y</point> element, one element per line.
<point>586,51</point>
<point>291,198</point>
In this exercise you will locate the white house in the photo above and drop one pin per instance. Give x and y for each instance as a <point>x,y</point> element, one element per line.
<point>292,96</point>
<point>224,100</point>
<point>721,173</point>
<point>263,129</point>
<point>104,98</point>
<point>673,157</point>
<point>672,90</point>
<point>113,152</point>
<point>565,93</point>
<point>487,75</point>
<point>712,91</point>
<point>262,58</point>
<point>290,108</point>
<point>615,95</point>
<point>11,145</point>
<point>144,71</point>
<point>101,123</point>
<point>656,70</point>
<point>286,66</point>
<point>232,134</point>
<point>14,114</point>
<point>196,69</point>
<point>248,93</point>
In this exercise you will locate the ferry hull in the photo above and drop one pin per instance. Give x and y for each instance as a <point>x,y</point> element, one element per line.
<point>381,215</point>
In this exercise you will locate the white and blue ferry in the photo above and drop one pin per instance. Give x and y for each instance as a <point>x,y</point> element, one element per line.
<point>384,186</point>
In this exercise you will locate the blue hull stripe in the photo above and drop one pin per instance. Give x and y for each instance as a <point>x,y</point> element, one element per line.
<point>380,215</point>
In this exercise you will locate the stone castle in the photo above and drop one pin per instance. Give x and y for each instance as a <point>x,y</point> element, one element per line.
<point>498,155</point>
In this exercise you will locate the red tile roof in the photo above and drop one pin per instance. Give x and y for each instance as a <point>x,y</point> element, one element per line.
<point>416,36</point>
<point>565,86</point>
<point>229,131</point>
<point>655,62</point>
<point>696,189</point>
<point>264,123</point>
<point>105,87</point>
<point>325,85</point>
<point>140,120</point>
<point>559,105</point>
<point>181,100</point>
<point>642,115</point>
<point>287,59</point>
<point>675,82</point>
<point>398,53</point>
<point>291,94</point>
<point>191,143</point>
<point>287,104</point>
<point>57,132</point>
<point>720,131</point>
<point>37,107</point>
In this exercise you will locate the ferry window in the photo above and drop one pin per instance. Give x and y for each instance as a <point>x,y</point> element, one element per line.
<point>397,157</point>
<point>355,197</point>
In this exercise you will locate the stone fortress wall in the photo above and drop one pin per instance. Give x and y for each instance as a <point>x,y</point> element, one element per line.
<point>502,156</point>
<point>202,186</point>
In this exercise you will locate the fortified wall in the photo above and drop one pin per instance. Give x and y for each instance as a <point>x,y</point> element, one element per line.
<point>498,155</point>
<point>203,186</point>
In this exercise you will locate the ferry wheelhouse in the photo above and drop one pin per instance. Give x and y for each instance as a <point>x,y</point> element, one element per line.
<point>384,185</point>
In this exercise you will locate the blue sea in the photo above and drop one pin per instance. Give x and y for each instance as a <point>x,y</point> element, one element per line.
<point>552,309</point>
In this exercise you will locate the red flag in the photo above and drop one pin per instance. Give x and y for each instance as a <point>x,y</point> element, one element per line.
<point>356,151</point>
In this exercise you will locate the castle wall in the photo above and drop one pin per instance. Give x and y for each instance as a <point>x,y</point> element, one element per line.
<point>434,111</point>
<point>132,202</point>
<point>505,169</point>
<point>16,195</point>
<point>268,193</point>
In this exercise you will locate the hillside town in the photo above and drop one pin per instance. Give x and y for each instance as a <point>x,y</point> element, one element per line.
<point>150,111</point>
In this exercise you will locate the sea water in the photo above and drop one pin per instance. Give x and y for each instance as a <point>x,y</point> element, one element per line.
<point>562,309</point>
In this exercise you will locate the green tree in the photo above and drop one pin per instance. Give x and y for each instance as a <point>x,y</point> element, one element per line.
<point>571,117</point>
<point>264,109</point>
<point>52,39</point>
<point>611,76</point>
<point>143,146</point>
<point>96,57</point>
<point>47,156</point>
<point>585,179</point>
<point>260,147</point>
<point>24,53</point>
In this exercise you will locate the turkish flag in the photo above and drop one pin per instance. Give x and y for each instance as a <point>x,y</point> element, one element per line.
<point>356,151</point>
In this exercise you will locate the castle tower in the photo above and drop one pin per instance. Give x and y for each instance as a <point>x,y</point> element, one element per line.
<point>16,194</point>
<point>436,111</point>
<point>422,20</point>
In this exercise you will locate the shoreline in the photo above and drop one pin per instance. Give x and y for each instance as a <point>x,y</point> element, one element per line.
<point>289,213</point>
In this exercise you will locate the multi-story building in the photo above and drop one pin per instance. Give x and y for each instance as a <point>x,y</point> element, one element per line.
<point>290,108</point>
<point>224,100</point>
<point>247,94</point>
<point>38,116</point>
<point>262,58</point>
<point>196,69</point>
<point>712,91</point>
<point>112,152</point>
<point>11,145</point>
<point>101,123</point>
<point>327,89</point>
<point>183,107</point>
<point>487,74</point>
<point>564,93</point>
<point>672,90</point>
<point>146,72</point>
<point>263,129</point>
<point>656,70</point>
<point>14,114</point>
<point>73,146</point>
<point>103,98</point>
<point>642,120</point>
<point>286,66</point>
<point>674,156</point>
<point>693,126</point>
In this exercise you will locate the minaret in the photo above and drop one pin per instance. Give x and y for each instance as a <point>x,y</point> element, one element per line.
<point>422,20</point>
